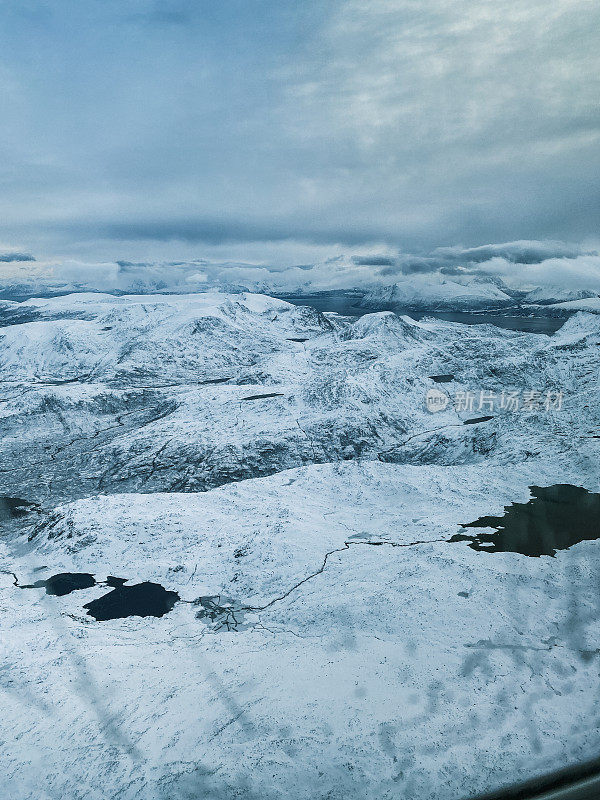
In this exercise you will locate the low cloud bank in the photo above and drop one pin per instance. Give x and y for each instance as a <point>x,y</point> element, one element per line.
<point>519,265</point>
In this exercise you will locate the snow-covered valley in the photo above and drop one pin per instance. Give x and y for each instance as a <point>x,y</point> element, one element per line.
<point>280,467</point>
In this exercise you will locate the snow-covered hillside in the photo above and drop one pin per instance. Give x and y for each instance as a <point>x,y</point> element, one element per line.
<point>546,295</point>
<point>590,305</point>
<point>398,660</point>
<point>430,292</point>
<point>278,470</point>
<point>185,393</point>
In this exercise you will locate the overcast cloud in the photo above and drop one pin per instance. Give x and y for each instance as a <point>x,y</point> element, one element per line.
<point>275,133</point>
<point>545,264</point>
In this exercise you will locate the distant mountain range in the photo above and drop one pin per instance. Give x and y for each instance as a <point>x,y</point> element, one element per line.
<point>423,292</point>
<point>436,292</point>
<point>555,294</point>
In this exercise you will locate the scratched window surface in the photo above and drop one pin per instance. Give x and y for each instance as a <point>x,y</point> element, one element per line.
<point>299,399</point>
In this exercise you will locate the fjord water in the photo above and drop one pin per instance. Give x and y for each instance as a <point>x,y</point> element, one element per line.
<point>347,305</point>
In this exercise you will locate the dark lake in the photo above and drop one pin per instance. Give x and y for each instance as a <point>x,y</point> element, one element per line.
<point>63,583</point>
<point>140,600</point>
<point>555,518</point>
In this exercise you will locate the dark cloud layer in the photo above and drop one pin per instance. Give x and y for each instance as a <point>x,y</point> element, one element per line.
<point>227,230</point>
<point>7,258</point>
<point>515,252</point>
<point>373,261</point>
<point>461,260</point>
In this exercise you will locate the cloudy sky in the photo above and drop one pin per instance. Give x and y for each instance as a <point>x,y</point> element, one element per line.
<point>276,133</point>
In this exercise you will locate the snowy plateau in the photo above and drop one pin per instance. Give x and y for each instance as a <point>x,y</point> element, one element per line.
<point>277,468</point>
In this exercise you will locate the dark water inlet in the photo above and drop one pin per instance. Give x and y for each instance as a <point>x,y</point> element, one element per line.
<point>262,396</point>
<point>556,518</point>
<point>525,323</point>
<point>513,319</point>
<point>140,600</point>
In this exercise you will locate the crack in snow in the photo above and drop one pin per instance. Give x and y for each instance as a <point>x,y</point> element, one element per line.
<point>321,569</point>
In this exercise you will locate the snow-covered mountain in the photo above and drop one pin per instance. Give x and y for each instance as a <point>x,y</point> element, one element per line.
<point>189,392</point>
<point>435,292</point>
<point>590,305</point>
<point>546,295</point>
<point>276,470</point>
